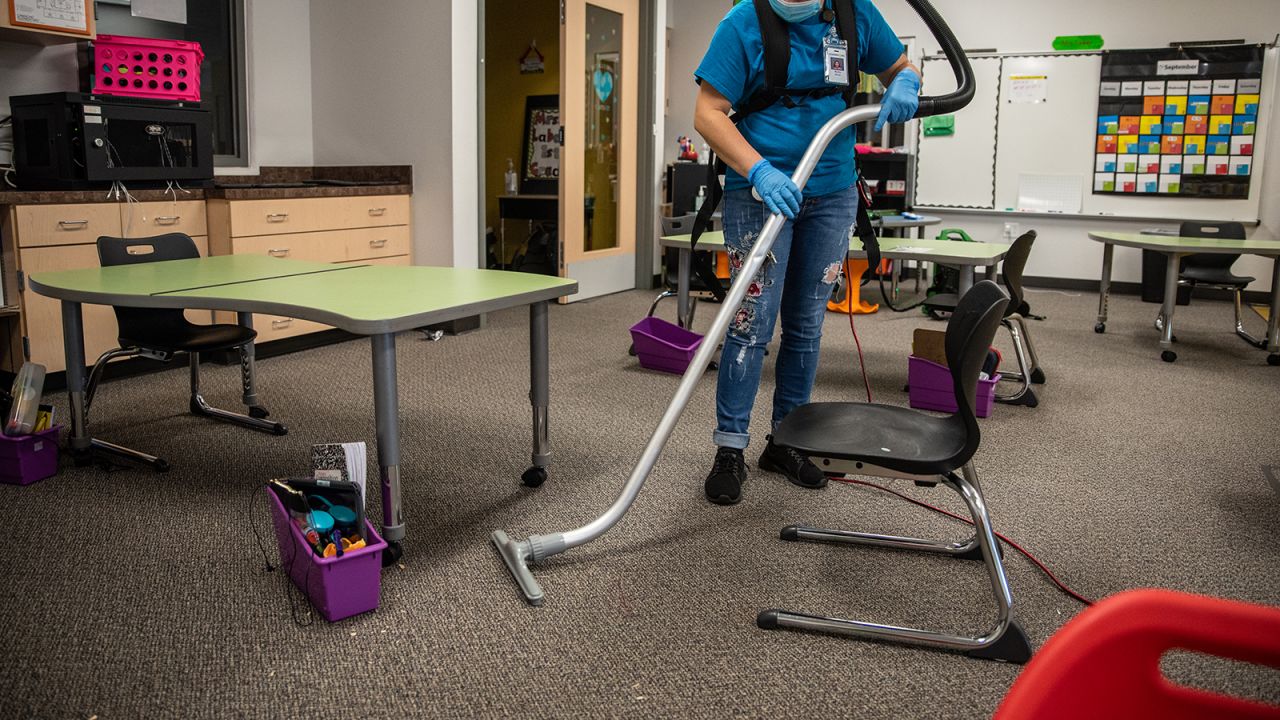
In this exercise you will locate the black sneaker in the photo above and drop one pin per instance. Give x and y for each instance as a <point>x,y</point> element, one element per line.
<point>798,468</point>
<point>724,484</point>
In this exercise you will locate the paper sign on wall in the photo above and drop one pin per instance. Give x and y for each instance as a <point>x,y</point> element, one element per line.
<point>1028,89</point>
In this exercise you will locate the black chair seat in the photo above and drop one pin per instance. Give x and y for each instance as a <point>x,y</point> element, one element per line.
<point>943,301</point>
<point>1215,276</point>
<point>189,337</point>
<point>887,436</point>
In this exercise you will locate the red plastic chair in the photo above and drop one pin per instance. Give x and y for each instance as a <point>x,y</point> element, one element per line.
<point>1105,663</point>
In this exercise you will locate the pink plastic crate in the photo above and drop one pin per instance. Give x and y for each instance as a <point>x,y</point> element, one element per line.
<point>145,67</point>
<point>931,388</point>
<point>338,587</point>
<point>29,458</point>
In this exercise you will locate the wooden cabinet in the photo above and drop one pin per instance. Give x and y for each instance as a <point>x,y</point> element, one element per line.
<point>48,238</point>
<point>358,230</point>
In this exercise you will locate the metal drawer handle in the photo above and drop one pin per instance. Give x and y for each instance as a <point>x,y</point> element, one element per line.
<point>377,212</point>
<point>281,323</point>
<point>378,243</point>
<point>278,252</point>
<point>277,217</point>
<point>68,224</point>
<point>168,219</point>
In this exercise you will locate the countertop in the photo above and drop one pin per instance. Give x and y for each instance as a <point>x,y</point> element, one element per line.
<point>371,179</point>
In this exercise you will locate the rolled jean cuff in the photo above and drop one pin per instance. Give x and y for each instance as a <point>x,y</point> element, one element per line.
<point>737,441</point>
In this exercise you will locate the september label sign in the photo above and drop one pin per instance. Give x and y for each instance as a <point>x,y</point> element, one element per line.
<point>1178,122</point>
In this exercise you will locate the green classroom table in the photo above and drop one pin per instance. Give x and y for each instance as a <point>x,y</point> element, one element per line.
<point>1174,249</point>
<point>966,256</point>
<point>377,301</point>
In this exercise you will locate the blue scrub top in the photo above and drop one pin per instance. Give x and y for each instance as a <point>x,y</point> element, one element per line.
<point>734,66</point>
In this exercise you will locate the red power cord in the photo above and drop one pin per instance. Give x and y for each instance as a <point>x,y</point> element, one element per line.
<point>850,481</point>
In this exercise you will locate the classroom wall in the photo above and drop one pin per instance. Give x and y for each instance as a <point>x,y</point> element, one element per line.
<point>511,26</point>
<point>279,74</point>
<point>387,88</point>
<point>1063,249</point>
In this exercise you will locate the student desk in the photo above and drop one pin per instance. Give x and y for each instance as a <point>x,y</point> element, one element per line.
<point>377,301</point>
<point>1174,249</point>
<point>899,226</point>
<point>965,255</point>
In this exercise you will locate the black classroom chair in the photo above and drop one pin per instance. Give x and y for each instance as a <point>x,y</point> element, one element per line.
<point>1213,270</point>
<point>849,438</point>
<point>1029,370</point>
<point>160,334</point>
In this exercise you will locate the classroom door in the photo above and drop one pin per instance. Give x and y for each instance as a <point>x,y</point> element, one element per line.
<point>599,111</point>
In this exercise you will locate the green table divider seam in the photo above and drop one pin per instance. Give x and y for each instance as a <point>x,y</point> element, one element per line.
<point>265,279</point>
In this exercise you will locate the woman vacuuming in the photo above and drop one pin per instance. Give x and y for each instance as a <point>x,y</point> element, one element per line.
<point>761,151</point>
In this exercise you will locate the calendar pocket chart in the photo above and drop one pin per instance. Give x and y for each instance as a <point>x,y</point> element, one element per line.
<point>1179,122</point>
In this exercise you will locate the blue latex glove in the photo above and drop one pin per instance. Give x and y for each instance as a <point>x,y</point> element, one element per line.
<point>901,100</point>
<point>775,189</point>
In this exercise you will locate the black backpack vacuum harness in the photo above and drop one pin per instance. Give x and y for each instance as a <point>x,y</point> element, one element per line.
<point>777,64</point>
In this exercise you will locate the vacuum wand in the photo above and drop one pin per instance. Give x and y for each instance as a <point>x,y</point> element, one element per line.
<point>518,555</point>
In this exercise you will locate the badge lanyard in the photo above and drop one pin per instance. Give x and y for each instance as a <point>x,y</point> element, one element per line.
<point>835,58</point>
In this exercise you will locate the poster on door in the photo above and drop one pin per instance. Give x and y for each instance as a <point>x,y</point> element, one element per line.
<point>1178,122</point>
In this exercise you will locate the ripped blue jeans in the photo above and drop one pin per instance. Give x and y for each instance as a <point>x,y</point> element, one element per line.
<point>795,282</point>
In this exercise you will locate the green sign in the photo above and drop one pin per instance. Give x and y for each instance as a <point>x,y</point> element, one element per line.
<point>1077,42</point>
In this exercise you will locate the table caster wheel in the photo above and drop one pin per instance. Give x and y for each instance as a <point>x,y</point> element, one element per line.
<point>1100,328</point>
<point>1273,360</point>
<point>534,477</point>
<point>161,466</point>
<point>279,429</point>
<point>392,554</point>
<point>259,412</point>
<point>1037,377</point>
<point>1168,356</point>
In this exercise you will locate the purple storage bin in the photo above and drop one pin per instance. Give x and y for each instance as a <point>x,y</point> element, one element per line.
<point>29,458</point>
<point>931,388</point>
<point>338,587</point>
<point>662,346</point>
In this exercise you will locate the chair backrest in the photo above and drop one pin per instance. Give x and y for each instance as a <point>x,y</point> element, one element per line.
<point>131,251</point>
<point>1224,230</point>
<point>1105,662</point>
<point>682,225</point>
<point>1015,261</point>
<point>970,331</point>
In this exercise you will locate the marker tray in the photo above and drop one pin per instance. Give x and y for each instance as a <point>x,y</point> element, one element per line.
<point>338,587</point>
<point>29,458</point>
<point>662,346</point>
<point>931,388</point>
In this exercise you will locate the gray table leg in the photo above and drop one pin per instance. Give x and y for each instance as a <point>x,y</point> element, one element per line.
<point>73,340</point>
<point>1166,310</point>
<point>539,392</point>
<point>248,374</point>
<point>1273,323</point>
<point>991,272</point>
<point>967,273</point>
<point>684,269</point>
<point>920,265</point>
<point>386,412</point>
<point>897,268</point>
<point>1104,287</point>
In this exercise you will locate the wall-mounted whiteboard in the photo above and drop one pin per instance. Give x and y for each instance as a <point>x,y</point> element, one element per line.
<point>1042,111</point>
<point>959,170</point>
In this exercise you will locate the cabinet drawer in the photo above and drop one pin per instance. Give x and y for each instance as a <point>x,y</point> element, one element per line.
<point>296,215</point>
<point>330,246</point>
<point>156,218</point>
<point>274,327</point>
<point>397,260</point>
<point>41,225</point>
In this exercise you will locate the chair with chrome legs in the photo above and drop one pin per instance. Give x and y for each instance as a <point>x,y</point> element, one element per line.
<point>1213,270</point>
<point>896,442</point>
<point>160,334</point>
<point>1029,370</point>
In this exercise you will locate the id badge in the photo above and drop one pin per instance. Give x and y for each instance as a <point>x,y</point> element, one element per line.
<point>836,61</point>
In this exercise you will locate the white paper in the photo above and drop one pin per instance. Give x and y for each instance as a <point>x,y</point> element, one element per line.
<point>357,472</point>
<point>1028,89</point>
<point>174,11</point>
<point>67,14</point>
<point>1050,193</point>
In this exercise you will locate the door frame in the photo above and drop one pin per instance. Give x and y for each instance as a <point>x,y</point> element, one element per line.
<point>652,42</point>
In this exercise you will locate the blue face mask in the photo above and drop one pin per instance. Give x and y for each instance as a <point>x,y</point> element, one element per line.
<point>794,12</point>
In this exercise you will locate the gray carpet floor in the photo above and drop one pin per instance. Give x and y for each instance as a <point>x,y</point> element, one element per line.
<point>130,594</point>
